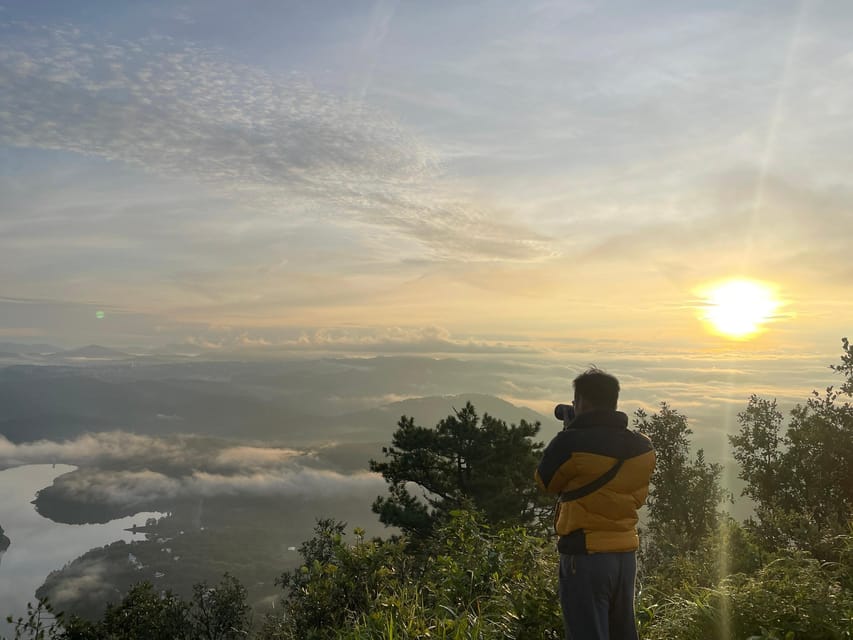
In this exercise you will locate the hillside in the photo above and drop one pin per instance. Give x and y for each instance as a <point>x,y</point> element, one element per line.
<point>300,404</point>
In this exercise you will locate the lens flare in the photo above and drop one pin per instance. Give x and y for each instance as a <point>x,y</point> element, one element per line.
<point>738,309</point>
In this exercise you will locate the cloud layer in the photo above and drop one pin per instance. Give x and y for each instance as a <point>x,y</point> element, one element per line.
<point>146,489</point>
<point>280,145</point>
<point>127,470</point>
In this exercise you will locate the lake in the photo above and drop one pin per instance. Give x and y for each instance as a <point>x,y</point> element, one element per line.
<point>39,545</point>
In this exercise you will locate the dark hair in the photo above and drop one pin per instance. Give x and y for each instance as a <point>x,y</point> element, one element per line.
<point>599,389</point>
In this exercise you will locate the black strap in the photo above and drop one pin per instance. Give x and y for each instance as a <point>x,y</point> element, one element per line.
<point>590,487</point>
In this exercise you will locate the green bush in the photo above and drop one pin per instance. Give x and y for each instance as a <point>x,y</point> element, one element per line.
<point>217,612</point>
<point>467,581</point>
<point>792,597</point>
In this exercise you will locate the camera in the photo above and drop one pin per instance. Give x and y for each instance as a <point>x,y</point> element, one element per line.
<point>565,413</point>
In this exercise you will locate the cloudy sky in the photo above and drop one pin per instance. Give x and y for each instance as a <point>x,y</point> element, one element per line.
<point>470,173</point>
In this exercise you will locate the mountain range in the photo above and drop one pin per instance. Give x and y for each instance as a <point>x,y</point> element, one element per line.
<point>297,403</point>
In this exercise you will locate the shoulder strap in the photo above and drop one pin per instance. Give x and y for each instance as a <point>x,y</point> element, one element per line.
<point>590,487</point>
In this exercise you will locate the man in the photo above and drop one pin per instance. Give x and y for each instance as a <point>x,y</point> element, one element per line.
<point>601,472</point>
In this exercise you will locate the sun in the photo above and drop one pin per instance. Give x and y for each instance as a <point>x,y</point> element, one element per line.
<point>739,308</point>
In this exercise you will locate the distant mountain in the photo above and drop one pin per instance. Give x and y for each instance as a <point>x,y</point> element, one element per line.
<point>428,411</point>
<point>93,351</point>
<point>296,403</point>
<point>27,349</point>
<point>432,409</point>
<point>60,402</point>
<point>337,386</point>
<point>360,436</point>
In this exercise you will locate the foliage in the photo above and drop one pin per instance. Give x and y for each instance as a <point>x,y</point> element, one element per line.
<point>801,480</point>
<point>730,549</point>
<point>685,492</point>
<point>475,582</point>
<point>758,449</point>
<point>336,581</point>
<point>220,612</point>
<point>791,597</point>
<point>463,461</point>
<point>470,582</point>
<point>214,613</point>
<point>846,367</point>
<point>40,623</point>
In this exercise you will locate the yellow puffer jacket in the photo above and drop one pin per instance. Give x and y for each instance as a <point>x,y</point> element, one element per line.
<point>597,447</point>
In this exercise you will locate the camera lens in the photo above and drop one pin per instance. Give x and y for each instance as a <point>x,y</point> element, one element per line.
<point>564,412</point>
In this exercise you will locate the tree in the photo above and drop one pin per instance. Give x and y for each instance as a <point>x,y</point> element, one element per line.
<point>685,492</point>
<point>146,613</point>
<point>220,612</point>
<point>42,622</point>
<point>463,461</point>
<point>846,367</point>
<point>802,479</point>
<point>758,449</point>
<point>336,583</point>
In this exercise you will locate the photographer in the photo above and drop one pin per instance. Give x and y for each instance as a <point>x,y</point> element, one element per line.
<point>600,471</point>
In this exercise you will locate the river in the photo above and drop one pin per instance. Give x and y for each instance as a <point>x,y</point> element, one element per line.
<point>38,545</point>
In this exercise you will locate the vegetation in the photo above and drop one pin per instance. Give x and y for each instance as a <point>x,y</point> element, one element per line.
<point>685,495</point>
<point>463,461</point>
<point>801,479</point>
<point>484,573</point>
<point>470,581</point>
<point>216,612</point>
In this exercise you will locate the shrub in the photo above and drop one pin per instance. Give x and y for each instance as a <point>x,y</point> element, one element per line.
<point>792,597</point>
<point>467,581</point>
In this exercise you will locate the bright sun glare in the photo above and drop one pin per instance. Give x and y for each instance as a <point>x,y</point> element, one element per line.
<point>737,309</point>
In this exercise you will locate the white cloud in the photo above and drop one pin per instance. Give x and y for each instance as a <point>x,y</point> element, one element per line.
<point>103,448</point>
<point>117,449</point>
<point>143,489</point>
<point>247,457</point>
<point>431,339</point>
<point>125,469</point>
<point>278,145</point>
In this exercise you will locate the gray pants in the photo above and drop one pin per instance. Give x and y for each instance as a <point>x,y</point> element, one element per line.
<point>597,596</point>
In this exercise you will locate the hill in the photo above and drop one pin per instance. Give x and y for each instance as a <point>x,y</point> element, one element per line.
<point>221,399</point>
<point>94,351</point>
<point>58,402</point>
<point>27,349</point>
<point>427,411</point>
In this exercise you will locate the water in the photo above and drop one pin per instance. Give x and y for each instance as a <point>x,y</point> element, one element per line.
<point>39,545</point>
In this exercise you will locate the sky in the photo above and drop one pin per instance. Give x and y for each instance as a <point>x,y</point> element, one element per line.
<point>481,175</point>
